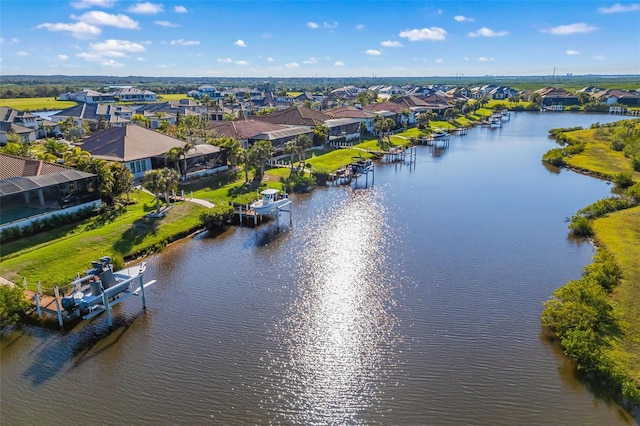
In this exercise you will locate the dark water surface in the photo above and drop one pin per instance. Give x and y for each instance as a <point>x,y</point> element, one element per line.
<point>415,301</point>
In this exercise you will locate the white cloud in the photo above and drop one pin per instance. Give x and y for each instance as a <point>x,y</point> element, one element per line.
<point>338,64</point>
<point>579,27</point>
<point>312,25</point>
<point>22,53</point>
<point>240,43</point>
<point>616,8</point>
<point>183,42</point>
<point>330,26</point>
<point>96,17</point>
<point>241,63</point>
<point>466,58</point>
<point>111,64</point>
<point>433,33</point>
<point>598,57</point>
<point>360,27</point>
<point>439,60</point>
<point>63,57</point>
<point>166,24</point>
<point>225,60</point>
<point>310,61</point>
<point>270,59</point>
<point>485,59</point>
<point>461,18</point>
<point>116,48</point>
<point>146,8</point>
<point>78,30</point>
<point>93,57</point>
<point>572,52</point>
<point>86,4</point>
<point>292,65</point>
<point>488,32</point>
<point>373,52</point>
<point>391,43</point>
<point>266,35</point>
<point>180,9</point>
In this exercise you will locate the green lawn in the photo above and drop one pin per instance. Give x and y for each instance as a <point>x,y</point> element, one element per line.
<point>619,232</point>
<point>172,97</point>
<point>36,104</point>
<point>70,250</point>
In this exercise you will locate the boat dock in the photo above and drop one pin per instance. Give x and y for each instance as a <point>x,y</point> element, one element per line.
<point>352,172</point>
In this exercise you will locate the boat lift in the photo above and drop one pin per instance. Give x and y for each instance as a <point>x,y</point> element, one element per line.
<point>101,289</point>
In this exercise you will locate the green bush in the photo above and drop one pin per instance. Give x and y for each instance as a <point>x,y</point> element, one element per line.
<point>623,179</point>
<point>555,157</point>
<point>634,192</point>
<point>298,182</point>
<point>603,207</point>
<point>216,217</point>
<point>635,163</point>
<point>581,226</point>
<point>12,304</point>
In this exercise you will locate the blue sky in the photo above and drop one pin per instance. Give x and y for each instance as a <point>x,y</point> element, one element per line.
<point>308,38</point>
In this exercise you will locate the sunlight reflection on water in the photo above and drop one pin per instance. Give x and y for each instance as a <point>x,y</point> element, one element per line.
<point>338,337</point>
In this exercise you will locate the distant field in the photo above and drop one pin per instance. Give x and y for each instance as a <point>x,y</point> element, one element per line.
<point>36,104</point>
<point>172,97</point>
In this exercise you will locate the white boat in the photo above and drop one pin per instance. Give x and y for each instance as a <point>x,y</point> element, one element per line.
<point>101,288</point>
<point>271,200</point>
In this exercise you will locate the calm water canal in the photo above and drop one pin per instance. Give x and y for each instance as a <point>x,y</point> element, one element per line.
<point>413,302</point>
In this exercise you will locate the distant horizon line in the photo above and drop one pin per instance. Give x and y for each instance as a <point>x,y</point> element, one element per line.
<point>327,77</point>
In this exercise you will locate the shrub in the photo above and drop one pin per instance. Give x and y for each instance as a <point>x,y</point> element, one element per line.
<point>635,163</point>
<point>574,148</point>
<point>555,157</point>
<point>298,182</point>
<point>581,226</point>
<point>216,217</point>
<point>603,207</point>
<point>623,179</point>
<point>12,304</point>
<point>617,144</point>
<point>634,192</point>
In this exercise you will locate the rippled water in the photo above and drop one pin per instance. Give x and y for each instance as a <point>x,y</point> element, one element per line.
<point>413,301</point>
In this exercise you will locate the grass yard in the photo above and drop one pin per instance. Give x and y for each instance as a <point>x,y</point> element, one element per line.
<point>171,97</point>
<point>619,232</point>
<point>36,104</point>
<point>69,250</point>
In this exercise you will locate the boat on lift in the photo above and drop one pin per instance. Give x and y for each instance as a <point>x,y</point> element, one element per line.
<point>101,288</point>
<point>271,200</point>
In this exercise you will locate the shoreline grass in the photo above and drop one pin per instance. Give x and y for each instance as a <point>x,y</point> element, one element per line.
<point>36,104</point>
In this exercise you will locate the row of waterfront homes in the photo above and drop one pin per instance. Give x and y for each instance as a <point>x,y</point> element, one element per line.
<point>32,188</point>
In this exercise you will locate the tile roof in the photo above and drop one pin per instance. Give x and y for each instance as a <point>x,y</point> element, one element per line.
<point>296,115</point>
<point>129,143</point>
<point>12,167</point>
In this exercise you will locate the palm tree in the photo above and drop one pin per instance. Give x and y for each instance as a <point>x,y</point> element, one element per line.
<point>173,157</point>
<point>55,148</point>
<point>160,181</point>
<point>260,153</point>
<point>78,158</point>
<point>183,155</point>
<point>140,120</point>
<point>231,146</point>
<point>320,134</point>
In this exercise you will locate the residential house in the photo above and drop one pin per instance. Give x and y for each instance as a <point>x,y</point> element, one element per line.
<point>556,96</point>
<point>87,96</point>
<point>502,92</point>
<point>139,148</point>
<point>33,189</point>
<point>616,96</point>
<point>97,115</point>
<point>247,132</point>
<point>366,118</point>
<point>210,91</point>
<point>27,126</point>
<point>132,94</point>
